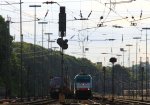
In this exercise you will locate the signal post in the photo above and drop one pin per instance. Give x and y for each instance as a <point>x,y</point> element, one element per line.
<point>113,60</point>
<point>63,45</point>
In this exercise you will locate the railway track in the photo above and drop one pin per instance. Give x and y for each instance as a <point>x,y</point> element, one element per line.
<point>120,101</point>
<point>35,102</point>
<point>81,102</point>
<point>41,102</point>
<point>129,101</point>
<point>94,101</point>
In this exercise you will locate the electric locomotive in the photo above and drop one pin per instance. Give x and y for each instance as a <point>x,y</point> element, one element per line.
<point>83,86</point>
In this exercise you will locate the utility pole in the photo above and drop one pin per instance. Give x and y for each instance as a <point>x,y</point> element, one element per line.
<point>129,45</point>
<point>35,6</point>
<point>142,69</point>
<point>122,85</point>
<point>21,60</point>
<point>142,74</point>
<point>119,55</point>
<point>136,62</point>
<point>112,44</point>
<point>104,71</point>
<point>104,57</point>
<point>49,38</point>
<point>42,76</point>
<point>113,60</point>
<point>51,41</point>
<point>118,60</point>
<point>122,49</point>
<point>49,61</point>
<point>146,66</point>
<point>133,79</point>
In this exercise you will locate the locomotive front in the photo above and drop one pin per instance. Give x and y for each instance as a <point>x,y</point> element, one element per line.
<point>83,86</point>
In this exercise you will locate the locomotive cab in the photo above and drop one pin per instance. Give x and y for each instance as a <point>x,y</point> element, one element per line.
<point>83,86</point>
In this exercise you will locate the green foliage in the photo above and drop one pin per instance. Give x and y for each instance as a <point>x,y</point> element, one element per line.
<point>5,40</point>
<point>5,55</point>
<point>47,64</point>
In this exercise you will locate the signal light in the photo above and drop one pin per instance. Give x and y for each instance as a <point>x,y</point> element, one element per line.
<point>65,45</point>
<point>112,60</point>
<point>62,43</point>
<point>62,22</point>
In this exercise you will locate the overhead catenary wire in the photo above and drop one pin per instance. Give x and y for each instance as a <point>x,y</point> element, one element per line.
<point>116,13</point>
<point>73,29</point>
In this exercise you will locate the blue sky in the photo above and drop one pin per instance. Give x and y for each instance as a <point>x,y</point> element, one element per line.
<point>86,32</point>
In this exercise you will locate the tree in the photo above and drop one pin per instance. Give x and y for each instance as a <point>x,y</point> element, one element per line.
<point>5,54</point>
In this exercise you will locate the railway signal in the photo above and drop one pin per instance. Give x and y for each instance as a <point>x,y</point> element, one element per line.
<point>62,43</point>
<point>62,22</point>
<point>62,29</point>
<point>113,60</point>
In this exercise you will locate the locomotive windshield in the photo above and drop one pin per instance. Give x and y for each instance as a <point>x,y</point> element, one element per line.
<point>83,79</point>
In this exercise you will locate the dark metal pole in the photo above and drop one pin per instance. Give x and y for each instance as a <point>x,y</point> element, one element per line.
<point>136,68</point>
<point>66,78</point>
<point>21,40</point>
<point>122,49</point>
<point>49,62</point>
<point>35,6</point>
<point>133,79</point>
<point>28,93</point>
<point>113,60</point>
<point>136,63</point>
<point>148,77</point>
<point>122,85</point>
<point>63,44</point>
<point>113,81</point>
<point>142,80</point>
<point>104,71</point>
<point>129,45</point>
<point>146,66</point>
<point>122,76</point>
<point>62,67</point>
<point>42,76</point>
<point>119,77</point>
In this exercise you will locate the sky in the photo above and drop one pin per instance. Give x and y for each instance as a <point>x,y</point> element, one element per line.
<point>121,21</point>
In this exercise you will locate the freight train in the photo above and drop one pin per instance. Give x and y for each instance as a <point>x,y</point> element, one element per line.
<point>55,87</point>
<point>83,86</point>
